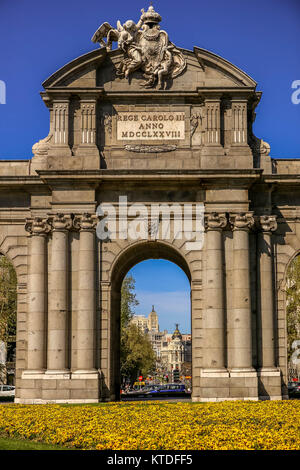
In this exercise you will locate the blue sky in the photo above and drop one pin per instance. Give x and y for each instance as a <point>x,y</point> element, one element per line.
<point>164,285</point>
<point>259,36</point>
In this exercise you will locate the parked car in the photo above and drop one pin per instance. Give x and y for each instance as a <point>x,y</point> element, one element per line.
<point>294,389</point>
<point>7,391</point>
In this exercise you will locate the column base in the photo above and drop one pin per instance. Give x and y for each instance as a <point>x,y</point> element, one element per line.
<point>37,401</point>
<point>242,372</point>
<point>213,385</point>
<point>222,384</point>
<point>33,374</point>
<point>243,383</point>
<point>269,383</point>
<point>222,372</point>
<point>85,374</point>
<point>59,386</point>
<point>268,372</point>
<point>218,399</point>
<point>57,374</point>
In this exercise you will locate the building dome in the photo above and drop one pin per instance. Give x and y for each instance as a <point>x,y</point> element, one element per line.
<point>177,333</point>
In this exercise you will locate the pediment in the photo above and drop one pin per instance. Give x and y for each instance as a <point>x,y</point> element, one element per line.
<point>204,70</point>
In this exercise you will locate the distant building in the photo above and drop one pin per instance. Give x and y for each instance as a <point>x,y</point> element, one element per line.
<point>147,324</point>
<point>187,343</point>
<point>141,322</point>
<point>172,354</point>
<point>153,321</point>
<point>172,350</point>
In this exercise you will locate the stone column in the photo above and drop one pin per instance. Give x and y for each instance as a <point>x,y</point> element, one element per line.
<point>86,295</point>
<point>213,317</point>
<point>58,297</point>
<point>36,327</point>
<point>239,316</point>
<point>266,346</point>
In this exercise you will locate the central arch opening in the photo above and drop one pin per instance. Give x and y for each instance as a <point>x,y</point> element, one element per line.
<point>167,332</point>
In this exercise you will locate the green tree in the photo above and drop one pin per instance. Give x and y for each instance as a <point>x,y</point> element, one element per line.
<point>136,354</point>
<point>293,303</point>
<point>8,307</point>
<point>128,300</point>
<point>8,299</point>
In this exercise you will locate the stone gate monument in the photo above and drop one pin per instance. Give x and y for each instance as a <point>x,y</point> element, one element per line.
<point>157,124</point>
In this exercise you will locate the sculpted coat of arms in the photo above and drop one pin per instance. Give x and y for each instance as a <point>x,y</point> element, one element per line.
<point>146,47</point>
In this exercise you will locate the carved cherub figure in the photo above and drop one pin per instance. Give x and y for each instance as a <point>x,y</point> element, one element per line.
<point>124,35</point>
<point>164,67</point>
<point>128,31</point>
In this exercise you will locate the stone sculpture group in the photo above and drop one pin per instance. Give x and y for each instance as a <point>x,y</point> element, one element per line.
<point>146,47</point>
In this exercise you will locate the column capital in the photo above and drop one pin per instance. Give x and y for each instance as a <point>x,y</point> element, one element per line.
<point>267,223</point>
<point>85,222</point>
<point>241,221</point>
<point>215,221</point>
<point>37,226</point>
<point>60,222</point>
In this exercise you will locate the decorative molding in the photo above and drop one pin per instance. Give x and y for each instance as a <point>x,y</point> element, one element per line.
<point>259,146</point>
<point>107,122</point>
<point>61,122</point>
<point>268,223</point>
<point>85,222</point>
<point>241,221</point>
<point>88,123</point>
<point>37,226</point>
<point>60,222</point>
<point>152,226</point>
<point>194,120</point>
<point>265,148</point>
<point>197,116</point>
<point>215,221</point>
<point>150,148</point>
<point>41,147</point>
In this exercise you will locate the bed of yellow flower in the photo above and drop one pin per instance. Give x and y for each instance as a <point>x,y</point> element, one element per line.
<point>158,425</point>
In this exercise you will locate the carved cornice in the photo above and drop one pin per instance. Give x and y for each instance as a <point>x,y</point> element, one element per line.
<point>268,223</point>
<point>37,226</point>
<point>215,221</point>
<point>241,221</point>
<point>85,222</point>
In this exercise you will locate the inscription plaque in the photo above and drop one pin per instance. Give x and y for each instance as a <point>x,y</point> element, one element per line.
<point>151,126</point>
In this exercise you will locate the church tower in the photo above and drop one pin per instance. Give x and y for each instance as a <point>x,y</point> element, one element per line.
<point>153,325</point>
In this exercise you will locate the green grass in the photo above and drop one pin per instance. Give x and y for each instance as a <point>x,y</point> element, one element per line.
<point>8,443</point>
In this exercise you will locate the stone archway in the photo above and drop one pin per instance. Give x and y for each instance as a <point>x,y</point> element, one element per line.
<point>206,152</point>
<point>128,258</point>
